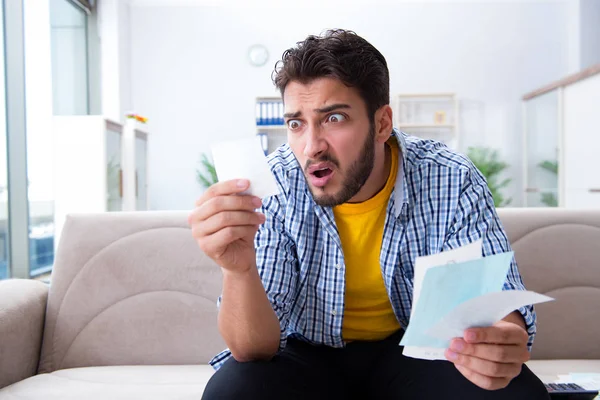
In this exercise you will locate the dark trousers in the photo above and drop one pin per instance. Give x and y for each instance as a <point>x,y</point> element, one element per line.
<point>362,370</point>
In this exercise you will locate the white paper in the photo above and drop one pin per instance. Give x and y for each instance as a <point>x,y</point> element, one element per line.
<point>471,251</point>
<point>483,311</point>
<point>588,381</point>
<point>245,159</point>
<point>424,353</point>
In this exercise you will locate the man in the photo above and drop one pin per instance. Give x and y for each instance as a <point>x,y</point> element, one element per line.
<point>317,286</point>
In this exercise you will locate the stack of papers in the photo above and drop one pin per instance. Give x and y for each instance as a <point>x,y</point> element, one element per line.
<point>456,290</point>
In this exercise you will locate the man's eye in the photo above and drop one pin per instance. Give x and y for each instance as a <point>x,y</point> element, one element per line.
<point>293,124</point>
<point>336,118</point>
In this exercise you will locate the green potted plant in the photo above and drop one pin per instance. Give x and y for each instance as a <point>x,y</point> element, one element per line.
<point>208,176</point>
<point>549,198</point>
<point>488,163</point>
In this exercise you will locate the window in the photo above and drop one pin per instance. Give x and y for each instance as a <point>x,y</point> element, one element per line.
<point>56,83</point>
<point>70,90</point>
<point>4,234</point>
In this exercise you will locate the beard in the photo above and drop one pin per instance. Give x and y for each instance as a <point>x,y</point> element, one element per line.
<point>353,179</point>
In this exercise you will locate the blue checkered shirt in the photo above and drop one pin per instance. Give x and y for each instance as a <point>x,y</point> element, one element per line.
<point>440,201</point>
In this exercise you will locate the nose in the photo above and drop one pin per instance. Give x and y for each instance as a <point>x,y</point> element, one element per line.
<point>315,143</point>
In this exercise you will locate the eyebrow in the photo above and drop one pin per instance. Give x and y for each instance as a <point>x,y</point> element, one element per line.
<point>318,110</point>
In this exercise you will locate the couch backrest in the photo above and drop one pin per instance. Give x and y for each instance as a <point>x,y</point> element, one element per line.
<point>558,253</point>
<point>134,288</point>
<point>130,289</point>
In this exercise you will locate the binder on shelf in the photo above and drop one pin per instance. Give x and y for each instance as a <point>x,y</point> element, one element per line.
<point>269,112</point>
<point>258,114</point>
<point>281,121</point>
<point>264,142</point>
<point>270,116</point>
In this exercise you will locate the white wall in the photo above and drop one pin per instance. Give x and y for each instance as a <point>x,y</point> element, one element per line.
<point>191,78</point>
<point>115,43</point>
<point>573,14</point>
<point>125,101</point>
<point>583,31</point>
<point>108,29</point>
<point>590,32</point>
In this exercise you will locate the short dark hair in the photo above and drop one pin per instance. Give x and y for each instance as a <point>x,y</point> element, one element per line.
<point>339,54</point>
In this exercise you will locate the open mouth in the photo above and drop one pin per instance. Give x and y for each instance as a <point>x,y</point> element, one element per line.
<point>319,174</point>
<point>322,173</point>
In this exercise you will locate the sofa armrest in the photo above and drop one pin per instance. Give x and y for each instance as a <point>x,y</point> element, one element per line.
<point>22,311</point>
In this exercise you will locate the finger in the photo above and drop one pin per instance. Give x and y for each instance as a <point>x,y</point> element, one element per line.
<point>503,334</point>
<point>223,188</point>
<point>484,382</point>
<point>485,367</point>
<point>215,245</point>
<point>227,219</point>
<point>225,203</point>
<point>500,353</point>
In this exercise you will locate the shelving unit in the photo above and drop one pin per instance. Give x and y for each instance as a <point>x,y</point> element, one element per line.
<point>430,116</point>
<point>269,123</point>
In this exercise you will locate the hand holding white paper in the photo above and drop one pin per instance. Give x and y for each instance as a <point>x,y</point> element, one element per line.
<point>483,311</point>
<point>244,159</point>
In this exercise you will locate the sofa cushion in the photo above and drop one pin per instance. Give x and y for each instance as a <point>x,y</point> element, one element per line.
<point>181,382</point>
<point>130,289</point>
<point>558,255</point>
<point>548,370</point>
<point>123,382</point>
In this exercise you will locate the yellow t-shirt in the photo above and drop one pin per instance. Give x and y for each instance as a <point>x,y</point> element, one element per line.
<point>368,314</point>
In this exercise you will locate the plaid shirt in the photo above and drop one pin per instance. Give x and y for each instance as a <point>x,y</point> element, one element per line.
<point>440,202</point>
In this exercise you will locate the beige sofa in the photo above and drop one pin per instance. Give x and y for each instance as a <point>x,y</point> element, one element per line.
<point>131,310</point>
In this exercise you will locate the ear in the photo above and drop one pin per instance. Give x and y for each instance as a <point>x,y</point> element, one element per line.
<point>383,123</point>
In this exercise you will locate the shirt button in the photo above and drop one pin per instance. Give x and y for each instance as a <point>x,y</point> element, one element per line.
<point>333,312</point>
<point>338,266</point>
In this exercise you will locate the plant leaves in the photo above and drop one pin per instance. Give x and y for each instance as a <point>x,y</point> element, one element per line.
<point>487,161</point>
<point>208,177</point>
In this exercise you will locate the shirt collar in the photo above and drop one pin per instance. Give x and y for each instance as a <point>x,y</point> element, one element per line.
<point>401,187</point>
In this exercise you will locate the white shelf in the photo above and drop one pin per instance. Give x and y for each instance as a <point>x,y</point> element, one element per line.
<point>264,128</point>
<point>428,115</point>
<point>541,190</point>
<point>408,126</point>
<point>428,95</point>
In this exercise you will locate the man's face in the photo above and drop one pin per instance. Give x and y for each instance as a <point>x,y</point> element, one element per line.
<point>331,136</point>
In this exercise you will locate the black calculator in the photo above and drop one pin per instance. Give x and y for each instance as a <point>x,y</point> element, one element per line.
<point>569,391</point>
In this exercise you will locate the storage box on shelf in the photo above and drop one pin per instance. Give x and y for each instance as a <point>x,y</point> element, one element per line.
<point>560,142</point>
<point>430,116</point>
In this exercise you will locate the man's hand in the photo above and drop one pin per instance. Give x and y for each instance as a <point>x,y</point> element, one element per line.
<point>224,225</point>
<point>490,357</point>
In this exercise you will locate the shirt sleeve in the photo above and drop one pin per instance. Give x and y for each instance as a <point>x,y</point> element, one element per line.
<point>475,218</point>
<point>277,263</point>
